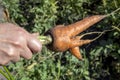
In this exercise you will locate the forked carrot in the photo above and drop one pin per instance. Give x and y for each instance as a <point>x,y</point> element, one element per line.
<point>66,37</point>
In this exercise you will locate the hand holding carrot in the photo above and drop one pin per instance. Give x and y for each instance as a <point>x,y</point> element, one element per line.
<point>15,42</point>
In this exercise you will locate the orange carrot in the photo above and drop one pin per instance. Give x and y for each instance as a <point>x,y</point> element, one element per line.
<point>65,37</point>
<point>76,52</point>
<point>84,24</point>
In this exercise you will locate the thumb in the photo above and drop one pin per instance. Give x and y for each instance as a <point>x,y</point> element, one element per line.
<point>34,44</point>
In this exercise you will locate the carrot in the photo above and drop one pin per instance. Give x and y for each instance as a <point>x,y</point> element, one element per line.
<point>84,24</point>
<point>76,52</point>
<point>65,37</point>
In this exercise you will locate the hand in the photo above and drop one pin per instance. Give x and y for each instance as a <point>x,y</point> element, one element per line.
<point>15,42</point>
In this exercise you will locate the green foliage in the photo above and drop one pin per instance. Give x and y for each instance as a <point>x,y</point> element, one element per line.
<point>101,58</point>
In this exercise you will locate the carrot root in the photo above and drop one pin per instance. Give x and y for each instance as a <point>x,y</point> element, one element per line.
<point>113,12</point>
<point>65,37</point>
<point>76,52</point>
<point>80,26</point>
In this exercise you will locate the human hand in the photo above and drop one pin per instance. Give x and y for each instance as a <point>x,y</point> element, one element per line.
<point>15,42</point>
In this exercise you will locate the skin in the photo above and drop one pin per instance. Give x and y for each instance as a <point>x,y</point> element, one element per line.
<point>15,42</point>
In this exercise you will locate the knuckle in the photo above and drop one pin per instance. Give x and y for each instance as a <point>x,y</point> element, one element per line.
<point>17,43</point>
<point>11,52</point>
<point>21,37</point>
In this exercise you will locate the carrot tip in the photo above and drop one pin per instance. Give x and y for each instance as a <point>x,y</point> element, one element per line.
<point>76,52</point>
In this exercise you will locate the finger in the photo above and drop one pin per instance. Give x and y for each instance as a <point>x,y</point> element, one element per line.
<point>15,58</point>
<point>34,44</point>
<point>5,53</point>
<point>26,53</point>
<point>4,62</point>
<point>4,59</point>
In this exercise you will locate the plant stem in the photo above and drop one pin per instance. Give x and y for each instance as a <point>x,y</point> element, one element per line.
<point>4,74</point>
<point>116,28</point>
<point>59,66</point>
<point>9,74</point>
<point>115,3</point>
<point>104,2</point>
<point>113,12</point>
<point>45,39</point>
